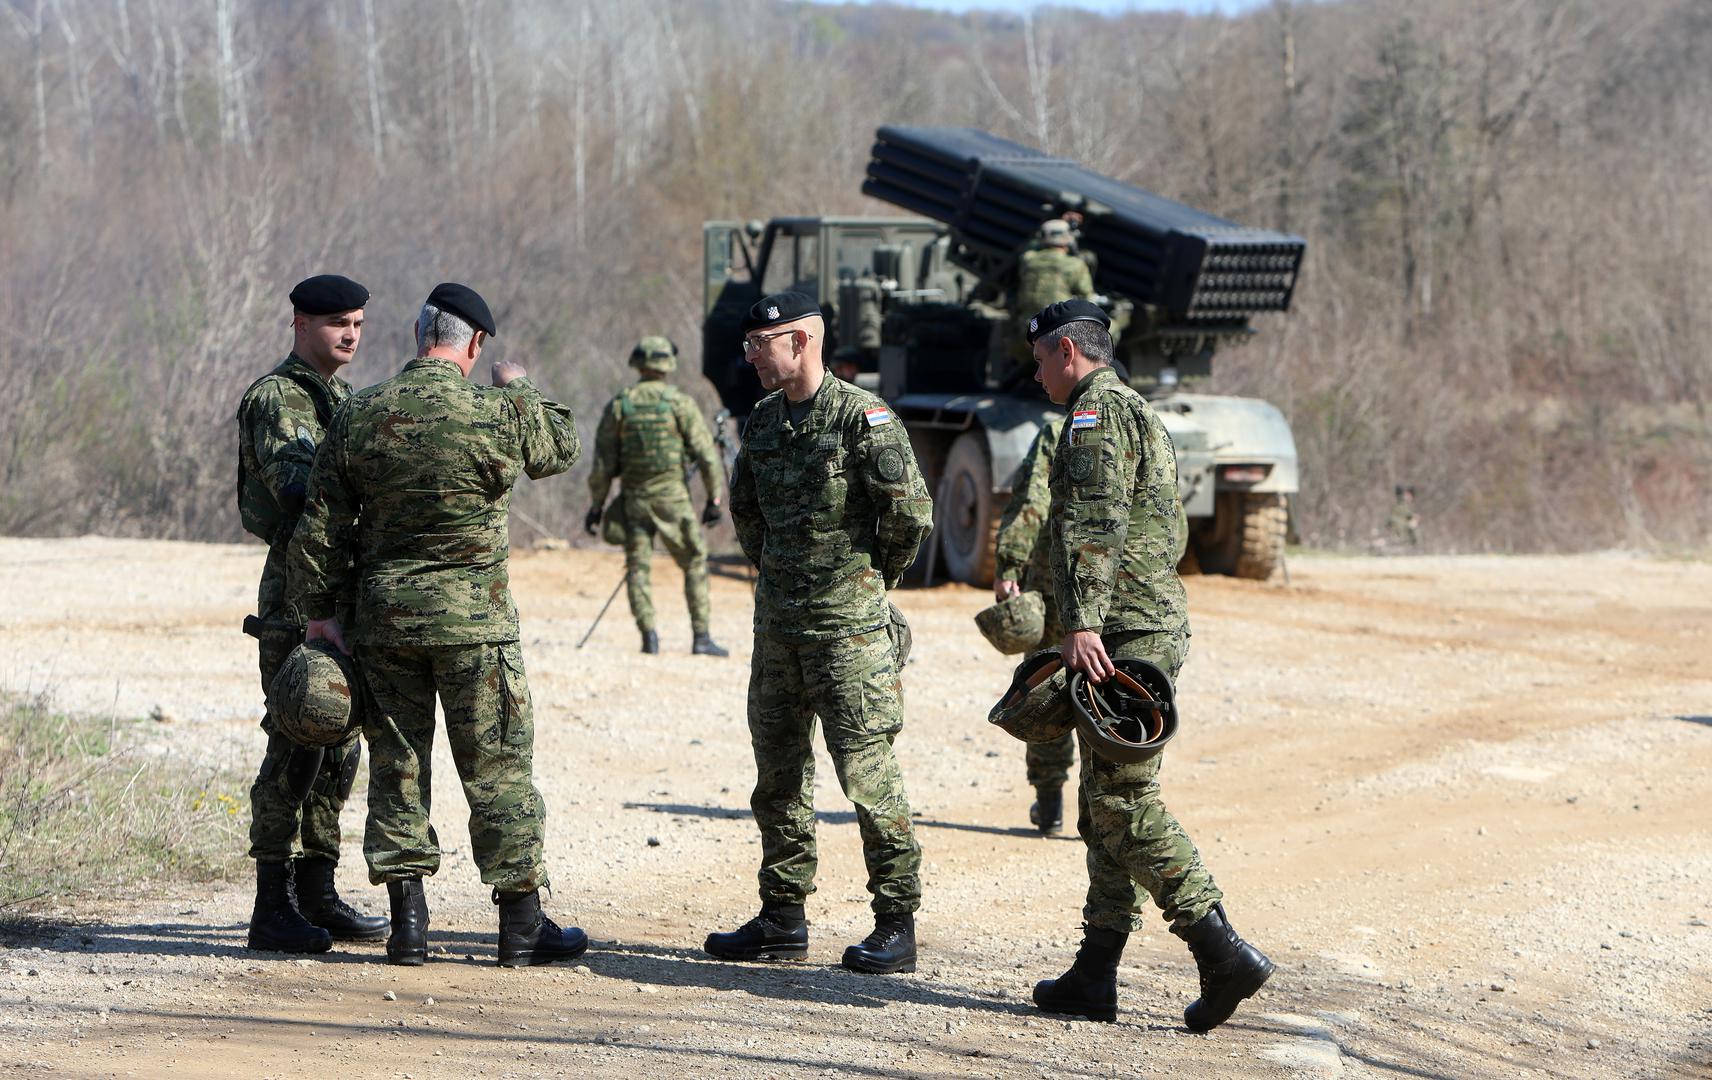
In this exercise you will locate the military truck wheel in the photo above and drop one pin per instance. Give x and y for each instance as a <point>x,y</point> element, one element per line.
<point>968,511</point>
<point>1247,537</point>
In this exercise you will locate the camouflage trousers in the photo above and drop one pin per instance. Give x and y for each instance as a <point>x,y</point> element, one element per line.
<point>1134,844</point>
<point>1049,762</point>
<point>491,729</point>
<point>298,792</point>
<point>852,685</point>
<point>674,521</point>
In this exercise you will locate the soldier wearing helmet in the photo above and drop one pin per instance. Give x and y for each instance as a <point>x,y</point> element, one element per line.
<point>1047,273</point>
<point>647,434</point>
<point>1115,537</point>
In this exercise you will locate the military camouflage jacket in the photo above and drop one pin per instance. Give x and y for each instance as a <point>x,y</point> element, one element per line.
<point>1048,275</point>
<point>281,420</point>
<point>832,512</point>
<point>1021,550</point>
<point>415,478</point>
<point>1117,524</point>
<point>644,436</point>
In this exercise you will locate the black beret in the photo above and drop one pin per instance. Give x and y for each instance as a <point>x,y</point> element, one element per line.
<point>784,307</point>
<point>1052,316</point>
<point>328,294</point>
<point>465,303</point>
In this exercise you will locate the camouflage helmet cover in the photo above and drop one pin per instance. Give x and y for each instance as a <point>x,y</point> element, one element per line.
<point>1131,716</point>
<point>1015,624</point>
<point>655,355</point>
<point>1036,708</point>
<point>312,699</point>
<point>899,631</point>
<point>1056,232</point>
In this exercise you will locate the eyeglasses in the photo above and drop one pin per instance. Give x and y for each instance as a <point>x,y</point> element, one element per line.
<point>757,342</point>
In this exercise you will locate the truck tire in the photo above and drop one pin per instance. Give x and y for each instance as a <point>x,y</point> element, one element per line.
<point>968,511</point>
<point>1247,537</point>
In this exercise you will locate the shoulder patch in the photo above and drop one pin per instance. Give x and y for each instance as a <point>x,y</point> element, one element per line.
<point>878,415</point>
<point>889,463</point>
<point>1080,463</point>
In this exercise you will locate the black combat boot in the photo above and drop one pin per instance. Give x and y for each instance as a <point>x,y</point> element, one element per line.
<point>1231,970</point>
<point>1090,987</point>
<point>704,646</point>
<point>780,932</point>
<point>1047,813</point>
<point>527,936</point>
<point>322,905</point>
<point>275,924</point>
<point>650,642</point>
<point>408,944</point>
<point>888,950</point>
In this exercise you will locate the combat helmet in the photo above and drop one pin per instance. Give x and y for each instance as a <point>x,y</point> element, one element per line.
<point>313,697</point>
<point>899,631</point>
<point>655,355</point>
<point>1036,708</point>
<point>1131,716</point>
<point>1055,232</point>
<point>1015,624</point>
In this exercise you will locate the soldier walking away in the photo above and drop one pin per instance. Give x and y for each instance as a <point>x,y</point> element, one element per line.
<point>410,496</point>
<point>299,790</point>
<point>1405,523</point>
<point>646,435</point>
<point>1113,548</point>
<point>1020,565</point>
<point>828,502</point>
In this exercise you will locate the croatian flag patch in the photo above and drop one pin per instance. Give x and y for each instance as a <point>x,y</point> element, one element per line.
<point>878,416</point>
<point>1084,418</point>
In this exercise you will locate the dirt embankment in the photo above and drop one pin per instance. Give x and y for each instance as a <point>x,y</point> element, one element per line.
<point>1459,801</point>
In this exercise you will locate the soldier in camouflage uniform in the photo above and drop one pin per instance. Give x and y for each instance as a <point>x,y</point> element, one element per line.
<point>645,436</point>
<point>1046,274</point>
<point>408,508</point>
<point>1115,539</point>
<point>829,504</point>
<point>1020,565</point>
<point>299,790</point>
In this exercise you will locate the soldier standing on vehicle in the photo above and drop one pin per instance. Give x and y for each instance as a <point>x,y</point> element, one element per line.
<point>1114,544</point>
<point>1046,273</point>
<point>1020,565</point>
<point>299,791</point>
<point>646,433</point>
<point>828,502</point>
<point>410,496</point>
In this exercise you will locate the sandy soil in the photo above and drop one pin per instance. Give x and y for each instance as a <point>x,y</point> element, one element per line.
<point>1459,801</point>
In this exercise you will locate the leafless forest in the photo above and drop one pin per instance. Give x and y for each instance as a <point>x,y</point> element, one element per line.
<point>1506,204</point>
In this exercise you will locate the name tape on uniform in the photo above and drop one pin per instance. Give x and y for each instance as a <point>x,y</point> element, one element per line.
<point>878,416</point>
<point>1084,418</point>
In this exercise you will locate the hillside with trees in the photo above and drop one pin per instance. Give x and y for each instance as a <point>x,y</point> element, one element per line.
<point>1505,203</point>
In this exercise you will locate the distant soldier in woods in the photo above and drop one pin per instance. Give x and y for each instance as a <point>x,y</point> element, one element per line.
<point>1405,523</point>
<point>646,435</point>
<point>410,496</point>
<point>299,791</point>
<point>1116,535</point>
<point>828,502</point>
<point>1021,565</point>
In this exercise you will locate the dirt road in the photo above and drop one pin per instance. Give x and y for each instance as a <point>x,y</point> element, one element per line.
<point>1461,802</point>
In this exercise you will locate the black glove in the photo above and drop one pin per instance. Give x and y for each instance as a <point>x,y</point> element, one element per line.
<point>710,514</point>
<point>591,521</point>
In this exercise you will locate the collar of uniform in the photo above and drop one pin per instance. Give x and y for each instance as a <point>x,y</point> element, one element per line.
<point>1091,381</point>
<point>294,360</point>
<point>819,403</point>
<point>434,363</point>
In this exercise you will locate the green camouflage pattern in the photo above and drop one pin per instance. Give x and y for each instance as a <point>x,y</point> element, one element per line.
<point>832,512</point>
<point>1134,843</point>
<point>314,699</point>
<point>490,727</point>
<point>281,826</point>
<point>851,684</point>
<point>1036,706</point>
<point>282,419</point>
<point>1116,519</point>
<point>645,435</point>
<point>415,480</point>
<point>655,355</point>
<point>1047,275</point>
<point>1016,624</point>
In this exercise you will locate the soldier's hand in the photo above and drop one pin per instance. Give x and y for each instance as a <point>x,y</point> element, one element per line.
<point>506,370</point>
<point>591,521</point>
<point>327,630</point>
<point>710,512</point>
<point>1004,590</point>
<point>1082,650</point>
